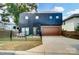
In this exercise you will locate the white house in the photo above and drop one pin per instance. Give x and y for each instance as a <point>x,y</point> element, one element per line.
<point>1,25</point>
<point>9,26</point>
<point>70,23</point>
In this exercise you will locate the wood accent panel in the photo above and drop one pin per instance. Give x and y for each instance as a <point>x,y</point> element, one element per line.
<point>51,30</point>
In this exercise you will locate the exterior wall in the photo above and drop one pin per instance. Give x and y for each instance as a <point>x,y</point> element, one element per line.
<point>70,24</point>
<point>76,22</point>
<point>9,27</point>
<point>1,25</point>
<point>44,19</point>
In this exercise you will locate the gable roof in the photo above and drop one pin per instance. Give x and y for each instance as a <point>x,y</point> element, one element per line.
<point>72,16</point>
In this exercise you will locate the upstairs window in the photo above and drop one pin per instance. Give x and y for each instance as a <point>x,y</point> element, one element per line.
<point>26,17</point>
<point>57,17</point>
<point>37,17</point>
<point>50,17</point>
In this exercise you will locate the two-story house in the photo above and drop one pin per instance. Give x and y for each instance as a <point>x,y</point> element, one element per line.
<point>36,23</point>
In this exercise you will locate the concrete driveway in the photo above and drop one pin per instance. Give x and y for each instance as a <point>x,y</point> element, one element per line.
<point>57,45</point>
<point>53,45</point>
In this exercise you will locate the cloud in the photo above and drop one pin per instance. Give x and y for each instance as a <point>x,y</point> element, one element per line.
<point>64,17</point>
<point>69,13</point>
<point>58,9</point>
<point>76,11</point>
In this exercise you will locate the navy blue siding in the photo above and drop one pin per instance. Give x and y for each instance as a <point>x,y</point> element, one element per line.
<point>42,21</point>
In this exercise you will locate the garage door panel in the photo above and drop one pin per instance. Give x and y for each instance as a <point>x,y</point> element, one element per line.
<point>51,30</point>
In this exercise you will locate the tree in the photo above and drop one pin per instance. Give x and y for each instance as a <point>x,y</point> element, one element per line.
<point>33,6</point>
<point>16,8</point>
<point>4,14</point>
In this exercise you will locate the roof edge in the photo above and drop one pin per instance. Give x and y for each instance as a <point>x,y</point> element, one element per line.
<point>70,17</point>
<point>42,12</point>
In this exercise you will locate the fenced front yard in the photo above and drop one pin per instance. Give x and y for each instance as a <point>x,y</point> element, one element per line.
<point>14,42</point>
<point>12,36</point>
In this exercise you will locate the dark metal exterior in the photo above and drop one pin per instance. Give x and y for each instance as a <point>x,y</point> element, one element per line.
<point>43,20</point>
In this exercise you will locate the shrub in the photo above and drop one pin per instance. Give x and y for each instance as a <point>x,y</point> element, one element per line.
<point>77,28</point>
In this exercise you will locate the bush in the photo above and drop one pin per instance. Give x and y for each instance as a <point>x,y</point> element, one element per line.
<point>77,28</point>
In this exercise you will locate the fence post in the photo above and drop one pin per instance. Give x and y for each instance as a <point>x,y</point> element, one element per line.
<point>11,35</point>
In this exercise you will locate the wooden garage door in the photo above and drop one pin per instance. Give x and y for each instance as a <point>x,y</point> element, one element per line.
<point>51,30</point>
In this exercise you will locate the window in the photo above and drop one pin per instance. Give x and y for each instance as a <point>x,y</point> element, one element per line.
<point>25,31</point>
<point>57,17</point>
<point>37,17</point>
<point>34,30</point>
<point>26,17</point>
<point>50,17</point>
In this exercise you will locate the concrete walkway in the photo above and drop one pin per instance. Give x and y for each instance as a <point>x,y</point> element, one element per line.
<point>53,45</point>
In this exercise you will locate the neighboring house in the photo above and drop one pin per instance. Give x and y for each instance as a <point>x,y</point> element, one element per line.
<point>7,26</point>
<point>1,25</point>
<point>36,23</point>
<point>70,23</point>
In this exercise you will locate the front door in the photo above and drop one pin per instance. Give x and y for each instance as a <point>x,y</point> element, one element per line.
<point>36,31</point>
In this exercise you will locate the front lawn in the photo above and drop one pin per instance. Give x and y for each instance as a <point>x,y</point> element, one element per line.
<point>19,45</point>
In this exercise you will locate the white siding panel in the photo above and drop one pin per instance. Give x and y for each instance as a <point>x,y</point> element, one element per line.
<point>69,25</point>
<point>76,21</point>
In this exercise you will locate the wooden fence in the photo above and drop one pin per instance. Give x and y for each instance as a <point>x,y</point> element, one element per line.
<point>6,35</point>
<point>71,34</point>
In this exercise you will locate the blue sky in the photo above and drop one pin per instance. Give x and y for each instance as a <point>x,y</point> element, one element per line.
<point>68,8</point>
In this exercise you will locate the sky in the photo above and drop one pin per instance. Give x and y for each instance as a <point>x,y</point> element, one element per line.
<point>66,8</point>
